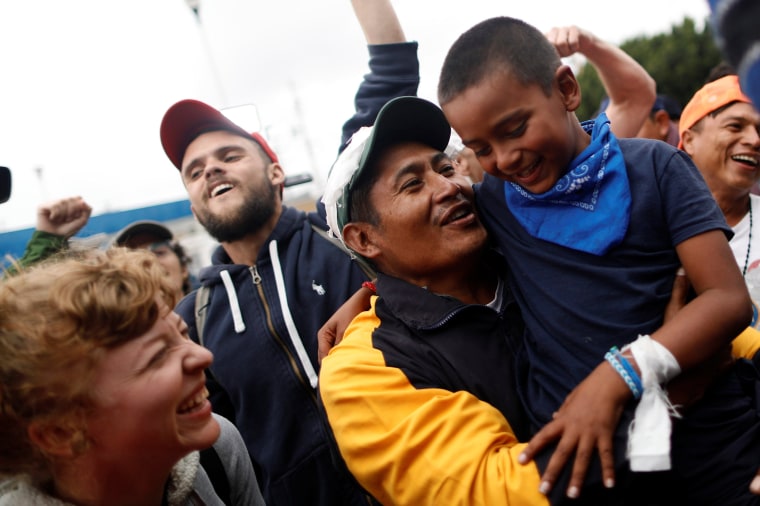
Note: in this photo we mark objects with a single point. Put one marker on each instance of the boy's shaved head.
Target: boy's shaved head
(500, 43)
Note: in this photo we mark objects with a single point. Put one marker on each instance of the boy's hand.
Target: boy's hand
(569, 40)
(584, 424)
(587, 419)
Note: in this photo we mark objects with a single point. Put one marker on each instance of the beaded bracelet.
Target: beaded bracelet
(634, 384)
(629, 368)
(369, 285)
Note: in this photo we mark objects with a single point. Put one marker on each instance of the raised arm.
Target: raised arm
(64, 217)
(632, 91)
(57, 221)
(394, 68)
(378, 21)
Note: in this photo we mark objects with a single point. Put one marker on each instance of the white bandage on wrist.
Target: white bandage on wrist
(649, 433)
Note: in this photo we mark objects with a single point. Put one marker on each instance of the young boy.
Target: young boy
(594, 229)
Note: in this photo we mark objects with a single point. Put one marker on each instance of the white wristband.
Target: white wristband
(649, 433)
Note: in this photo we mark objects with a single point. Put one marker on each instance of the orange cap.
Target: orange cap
(708, 98)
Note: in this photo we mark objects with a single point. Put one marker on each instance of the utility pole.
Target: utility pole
(302, 130)
(195, 6)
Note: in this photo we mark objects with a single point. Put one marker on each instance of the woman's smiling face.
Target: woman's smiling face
(150, 395)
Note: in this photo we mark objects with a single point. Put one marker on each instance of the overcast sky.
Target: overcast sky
(86, 82)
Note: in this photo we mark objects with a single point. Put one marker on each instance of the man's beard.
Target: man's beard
(257, 209)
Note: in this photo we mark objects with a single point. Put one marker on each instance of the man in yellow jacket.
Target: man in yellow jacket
(420, 394)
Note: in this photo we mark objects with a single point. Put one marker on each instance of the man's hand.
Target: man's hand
(332, 331)
(63, 217)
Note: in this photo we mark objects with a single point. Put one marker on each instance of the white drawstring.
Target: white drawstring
(237, 315)
(295, 338)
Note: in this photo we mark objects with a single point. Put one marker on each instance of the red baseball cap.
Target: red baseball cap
(187, 119)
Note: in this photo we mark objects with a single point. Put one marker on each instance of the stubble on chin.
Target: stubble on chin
(253, 214)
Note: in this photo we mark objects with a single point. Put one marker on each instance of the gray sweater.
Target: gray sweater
(189, 485)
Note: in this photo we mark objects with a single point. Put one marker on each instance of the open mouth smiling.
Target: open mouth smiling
(193, 403)
(220, 189)
(527, 172)
(457, 212)
(748, 159)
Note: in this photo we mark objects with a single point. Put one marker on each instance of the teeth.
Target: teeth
(221, 188)
(746, 159)
(193, 403)
(526, 172)
(457, 215)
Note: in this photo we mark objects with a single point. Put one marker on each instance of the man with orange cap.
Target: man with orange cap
(720, 130)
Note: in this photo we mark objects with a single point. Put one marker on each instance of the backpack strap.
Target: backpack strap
(212, 464)
(201, 305)
(368, 271)
(221, 402)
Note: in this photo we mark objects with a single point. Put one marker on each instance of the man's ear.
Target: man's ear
(687, 142)
(360, 237)
(569, 88)
(276, 174)
(662, 120)
(55, 438)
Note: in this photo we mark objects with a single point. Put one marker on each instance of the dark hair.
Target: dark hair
(361, 208)
(720, 70)
(184, 261)
(267, 160)
(498, 44)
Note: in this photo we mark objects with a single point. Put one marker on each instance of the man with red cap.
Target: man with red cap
(275, 279)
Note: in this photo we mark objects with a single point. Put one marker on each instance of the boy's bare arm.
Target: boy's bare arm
(697, 336)
(331, 333)
(721, 310)
(632, 91)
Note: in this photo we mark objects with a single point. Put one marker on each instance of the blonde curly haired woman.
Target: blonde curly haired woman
(102, 394)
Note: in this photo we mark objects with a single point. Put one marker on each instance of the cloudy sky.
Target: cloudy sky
(85, 82)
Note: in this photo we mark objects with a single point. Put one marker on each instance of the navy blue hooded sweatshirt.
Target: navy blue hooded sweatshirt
(262, 322)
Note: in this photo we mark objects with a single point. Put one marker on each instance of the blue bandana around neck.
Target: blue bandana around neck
(589, 207)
